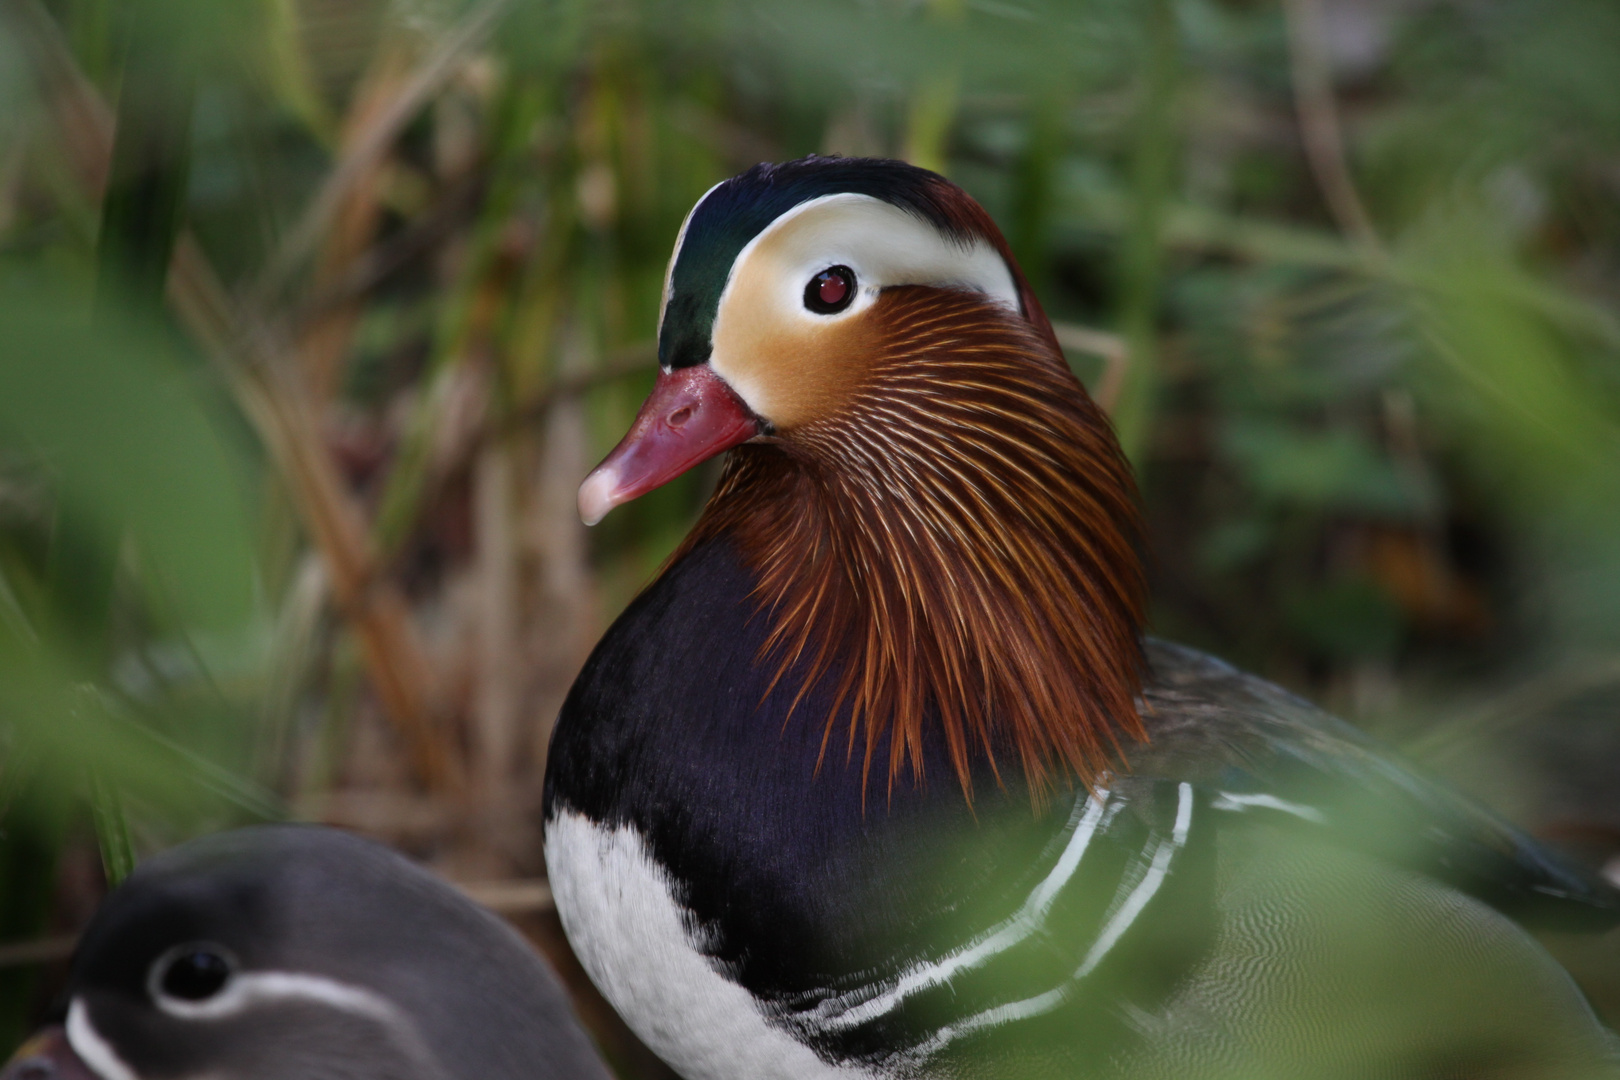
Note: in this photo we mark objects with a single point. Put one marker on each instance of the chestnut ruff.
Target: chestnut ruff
(958, 546)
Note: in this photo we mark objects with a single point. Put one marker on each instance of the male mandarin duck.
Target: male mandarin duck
(880, 777)
(293, 952)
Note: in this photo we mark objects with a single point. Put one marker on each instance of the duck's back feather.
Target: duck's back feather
(1265, 751)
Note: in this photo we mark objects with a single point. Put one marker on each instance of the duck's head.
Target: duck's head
(291, 952)
(933, 504)
(778, 306)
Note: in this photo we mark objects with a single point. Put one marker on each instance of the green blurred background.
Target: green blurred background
(313, 314)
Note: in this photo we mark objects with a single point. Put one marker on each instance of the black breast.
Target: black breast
(804, 878)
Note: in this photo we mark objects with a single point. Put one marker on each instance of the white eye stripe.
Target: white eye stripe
(884, 245)
(248, 989)
(762, 303)
(92, 1049)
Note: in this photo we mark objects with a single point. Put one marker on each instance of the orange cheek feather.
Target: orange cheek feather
(793, 376)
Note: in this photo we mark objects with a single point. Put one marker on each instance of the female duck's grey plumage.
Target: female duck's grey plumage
(342, 961)
(800, 817)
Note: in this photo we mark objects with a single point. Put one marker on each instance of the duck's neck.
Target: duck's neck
(955, 554)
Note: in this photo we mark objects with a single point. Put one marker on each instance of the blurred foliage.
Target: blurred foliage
(301, 539)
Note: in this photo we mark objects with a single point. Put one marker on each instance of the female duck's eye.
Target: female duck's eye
(194, 973)
(830, 291)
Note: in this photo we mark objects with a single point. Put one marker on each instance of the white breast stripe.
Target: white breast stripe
(1231, 800)
(249, 988)
(1184, 807)
(92, 1049)
(1045, 895)
(634, 940)
(1128, 911)
(1125, 912)
(1001, 1014)
(1088, 811)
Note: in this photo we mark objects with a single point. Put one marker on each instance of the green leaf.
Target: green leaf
(105, 409)
(1336, 469)
(1348, 619)
(112, 830)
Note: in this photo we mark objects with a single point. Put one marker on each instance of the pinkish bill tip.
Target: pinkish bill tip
(597, 494)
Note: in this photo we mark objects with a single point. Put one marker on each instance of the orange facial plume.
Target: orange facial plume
(957, 545)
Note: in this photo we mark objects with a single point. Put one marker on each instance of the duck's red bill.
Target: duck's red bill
(691, 416)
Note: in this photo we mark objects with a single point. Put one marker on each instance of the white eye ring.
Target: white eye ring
(191, 973)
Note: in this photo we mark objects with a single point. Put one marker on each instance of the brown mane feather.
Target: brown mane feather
(958, 544)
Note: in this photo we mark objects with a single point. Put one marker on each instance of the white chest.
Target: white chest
(638, 946)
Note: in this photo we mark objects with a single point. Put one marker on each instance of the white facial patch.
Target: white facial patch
(92, 1049)
(884, 245)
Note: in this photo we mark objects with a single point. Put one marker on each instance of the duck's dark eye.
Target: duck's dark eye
(194, 973)
(830, 291)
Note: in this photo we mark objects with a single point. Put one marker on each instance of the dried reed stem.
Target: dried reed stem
(1320, 128)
